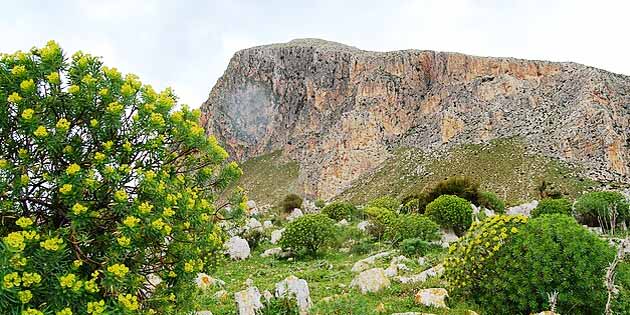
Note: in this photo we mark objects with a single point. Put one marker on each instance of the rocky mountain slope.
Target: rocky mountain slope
(341, 112)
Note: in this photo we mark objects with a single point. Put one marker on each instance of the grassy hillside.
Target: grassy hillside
(502, 166)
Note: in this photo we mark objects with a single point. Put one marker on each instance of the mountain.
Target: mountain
(340, 118)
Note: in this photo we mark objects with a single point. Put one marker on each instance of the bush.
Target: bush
(595, 208)
(549, 253)
(286, 305)
(459, 186)
(379, 219)
(291, 202)
(320, 203)
(362, 247)
(412, 226)
(339, 210)
(386, 202)
(308, 232)
(551, 206)
(111, 185)
(451, 212)
(415, 247)
(254, 237)
(621, 302)
(490, 200)
(412, 204)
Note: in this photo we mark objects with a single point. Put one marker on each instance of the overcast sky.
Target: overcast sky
(187, 44)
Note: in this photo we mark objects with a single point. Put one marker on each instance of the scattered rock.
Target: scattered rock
(276, 236)
(298, 288)
(391, 271)
(524, 209)
(271, 252)
(421, 261)
(343, 222)
(363, 225)
(253, 224)
(267, 224)
(203, 313)
(448, 237)
(248, 301)
(237, 248)
(438, 270)
(372, 280)
(366, 263)
(296, 213)
(432, 297)
(251, 204)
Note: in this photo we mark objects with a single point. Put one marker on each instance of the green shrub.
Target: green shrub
(415, 247)
(412, 204)
(290, 202)
(490, 200)
(339, 210)
(621, 302)
(254, 237)
(451, 212)
(459, 186)
(320, 203)
(379, 219)
(595, 208)
(549, 253)
(286, 305)
(110, 184)
(362, 246)
(551, 206)
(412, 226)
(308, 232)
(386, 202)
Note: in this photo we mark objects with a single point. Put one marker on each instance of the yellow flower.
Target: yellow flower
(24, 179)
(127, 146)
(68, 149)
(65, 311)
(22, 153)
(30, 235)
(16, 98)
(120, 195)
(31, 311)
(108, 145)
(167, 229)
(24, 222)
(172, 274)
(73, 169)
(103, 92)
(66, 189)
(41, 132)
(25, 296)
(18, 70)
(119, 270)
(514, 230)
(27, 85)
(74, 89)
(4, 164)
(131, 221)
(63, 124)
(50, 51)
(88, 79)
(128, 301)
(168, 212)
(27, 114)
(11, 280)
(158, 224)
(96, 308)
(18, 262)
(123, 241)
(111, 73)
(99, 157)
(91, 286)
(15, 240)
(77, 263)
(189, 267)
(51, 244)
(68, 280)
(115, 108)
(53, 78)
(145, 208)
(79, 209)
(127, 90)
(157, 119)
(94, 123)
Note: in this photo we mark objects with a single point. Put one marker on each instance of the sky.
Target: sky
(187, 44)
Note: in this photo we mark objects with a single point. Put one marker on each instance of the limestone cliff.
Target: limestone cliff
(340, 111)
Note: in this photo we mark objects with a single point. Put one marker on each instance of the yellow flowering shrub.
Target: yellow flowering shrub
(103, 184)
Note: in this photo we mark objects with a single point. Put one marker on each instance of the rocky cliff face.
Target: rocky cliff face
(340, 111)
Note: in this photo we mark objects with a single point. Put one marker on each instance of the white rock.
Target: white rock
(365, 263)
(267, 224)
(271, 252)
(475, 209)
(398, 259)
(251, 204)
(276, 236)
(220, 295)
(432, 297)
(391, 271)
(203, 313)
(237, 248)
(298, 288)
(343, 222)
(372, 280)
(448, 237)
(248, 301)
(488, 212)
(267, 295)
(253, 224)
(421, 261)
(423, 276)
(205, 281)
(296, 213)
(524, 209)
(363, 225)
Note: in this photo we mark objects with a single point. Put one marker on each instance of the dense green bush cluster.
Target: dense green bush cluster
(290, 202)
(551, 206)
(379, 219)
(451, 212)
(308, 232)
(415, 247)
(412, 204)
(386, 202)
(339, 210)
(549, 253)
(411, 226)
(595, 208)
(103, 184)
(490, 200)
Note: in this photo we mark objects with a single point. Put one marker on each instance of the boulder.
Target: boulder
(251, 204)
(391, 271)
(366, 263)
(253, 224)
(435, 297)
(294, 286)
(372, 280)
(271, 252)
(448, 237)
(296, 213)
(524, 209)
(267, 224)
(248, 301)
(237, 248)
(438, 270)
(276, 236)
